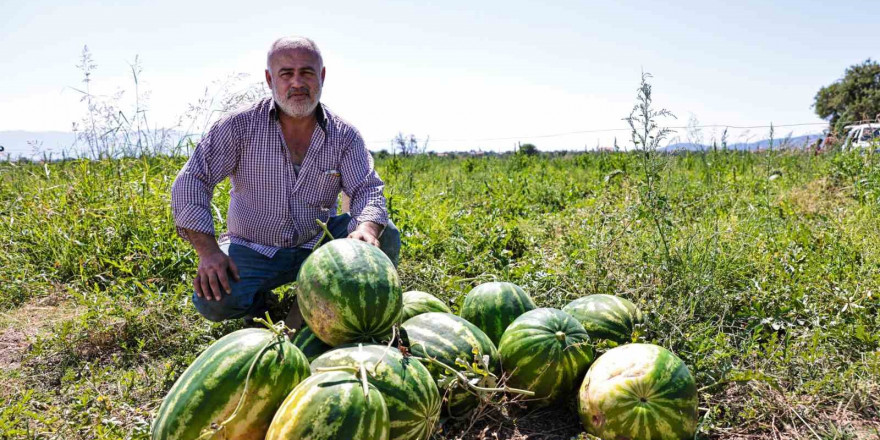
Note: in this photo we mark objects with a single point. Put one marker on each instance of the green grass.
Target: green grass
(769, 292)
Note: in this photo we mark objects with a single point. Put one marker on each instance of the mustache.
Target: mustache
(299, 90)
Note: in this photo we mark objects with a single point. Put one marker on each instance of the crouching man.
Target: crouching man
(287, 158)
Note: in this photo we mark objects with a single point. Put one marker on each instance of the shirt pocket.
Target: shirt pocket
(322, 188)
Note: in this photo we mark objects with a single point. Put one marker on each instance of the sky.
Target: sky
(462, 74)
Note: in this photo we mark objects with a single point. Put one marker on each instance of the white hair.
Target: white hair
(293, 43)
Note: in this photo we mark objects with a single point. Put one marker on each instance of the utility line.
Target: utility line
(608, 130)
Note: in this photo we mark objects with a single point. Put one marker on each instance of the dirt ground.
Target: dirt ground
(20, 327)
(519, 424)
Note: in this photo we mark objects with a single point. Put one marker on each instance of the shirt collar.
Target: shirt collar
(320, 113)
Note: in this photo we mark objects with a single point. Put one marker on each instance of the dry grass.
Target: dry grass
(817, 197)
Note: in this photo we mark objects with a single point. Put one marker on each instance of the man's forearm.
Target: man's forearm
(204, 244)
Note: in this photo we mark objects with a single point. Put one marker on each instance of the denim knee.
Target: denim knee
(229, 307)
(389, 242)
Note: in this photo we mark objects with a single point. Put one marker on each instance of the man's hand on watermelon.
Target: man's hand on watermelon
(368, 232)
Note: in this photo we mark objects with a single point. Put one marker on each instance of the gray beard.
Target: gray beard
(296, 110)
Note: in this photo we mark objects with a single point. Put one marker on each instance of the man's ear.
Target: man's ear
(323, 74)
(269, 79)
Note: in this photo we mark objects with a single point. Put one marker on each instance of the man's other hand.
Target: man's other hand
(368, 232)
(212, 279)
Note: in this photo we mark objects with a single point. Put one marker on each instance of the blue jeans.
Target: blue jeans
(259, 274)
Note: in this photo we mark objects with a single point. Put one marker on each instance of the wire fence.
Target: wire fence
(604, 138)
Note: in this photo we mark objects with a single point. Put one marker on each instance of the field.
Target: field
(761, 271)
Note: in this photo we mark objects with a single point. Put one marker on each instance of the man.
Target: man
(287, 157)
(829, 142)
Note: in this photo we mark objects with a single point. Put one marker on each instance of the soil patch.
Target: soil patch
(20, 327)
(552, 423)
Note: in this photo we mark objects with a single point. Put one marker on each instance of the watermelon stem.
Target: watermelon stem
(347, 368)
(358, 370)
(279, 328)
(325, 234)
(363, 374)
(464, 380)
(384, 352)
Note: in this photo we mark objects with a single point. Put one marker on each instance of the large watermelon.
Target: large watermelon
(416, 303)
(331, 406)
(349, 291)
(409, 390)
(606, 316)
(639, 391)
(209, 391)
(493, 306)
(446, 337)
(309, 344)
(546, 351)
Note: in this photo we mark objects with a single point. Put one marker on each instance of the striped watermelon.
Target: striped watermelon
(606, 316)
(349, 291)
(309, 344)
(546, 351)
(493, 306)
(209, 391)
(416, 303)
(331, 406)
(446, 337)
(639, 391)
(406, 385)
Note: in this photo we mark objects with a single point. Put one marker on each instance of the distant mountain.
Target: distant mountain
(794, 142)
(17, 143)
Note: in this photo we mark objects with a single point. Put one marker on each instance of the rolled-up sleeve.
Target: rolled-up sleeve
(215, 158)
(362, 184)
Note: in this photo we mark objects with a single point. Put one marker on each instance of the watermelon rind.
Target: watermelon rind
(410, 393)
(639, 392)
(545, 351)
(349, 291)
(606, 316)
(306, 340)
(208, 392)
(445, 338)
(417, 302)
(331, 406)
(493, 306)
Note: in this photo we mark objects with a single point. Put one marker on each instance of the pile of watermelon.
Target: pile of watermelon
(374, 362)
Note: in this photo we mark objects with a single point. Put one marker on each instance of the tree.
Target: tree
(528, 149)
(408, 145)
(855, 97)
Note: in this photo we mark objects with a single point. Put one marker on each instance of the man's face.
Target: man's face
(295, 77)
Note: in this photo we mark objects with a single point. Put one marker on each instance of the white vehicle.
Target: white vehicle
(862, 135)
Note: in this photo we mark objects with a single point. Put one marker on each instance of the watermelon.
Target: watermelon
(416, 303)
(446, 337)
(493, 306)
(606, 316)
(309, 344)
(546, 351)
(406, 385)
(330, 406)
(639, 391)
(349, 291)
(209, 391)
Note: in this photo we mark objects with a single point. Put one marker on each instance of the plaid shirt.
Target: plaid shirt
(271, 206)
